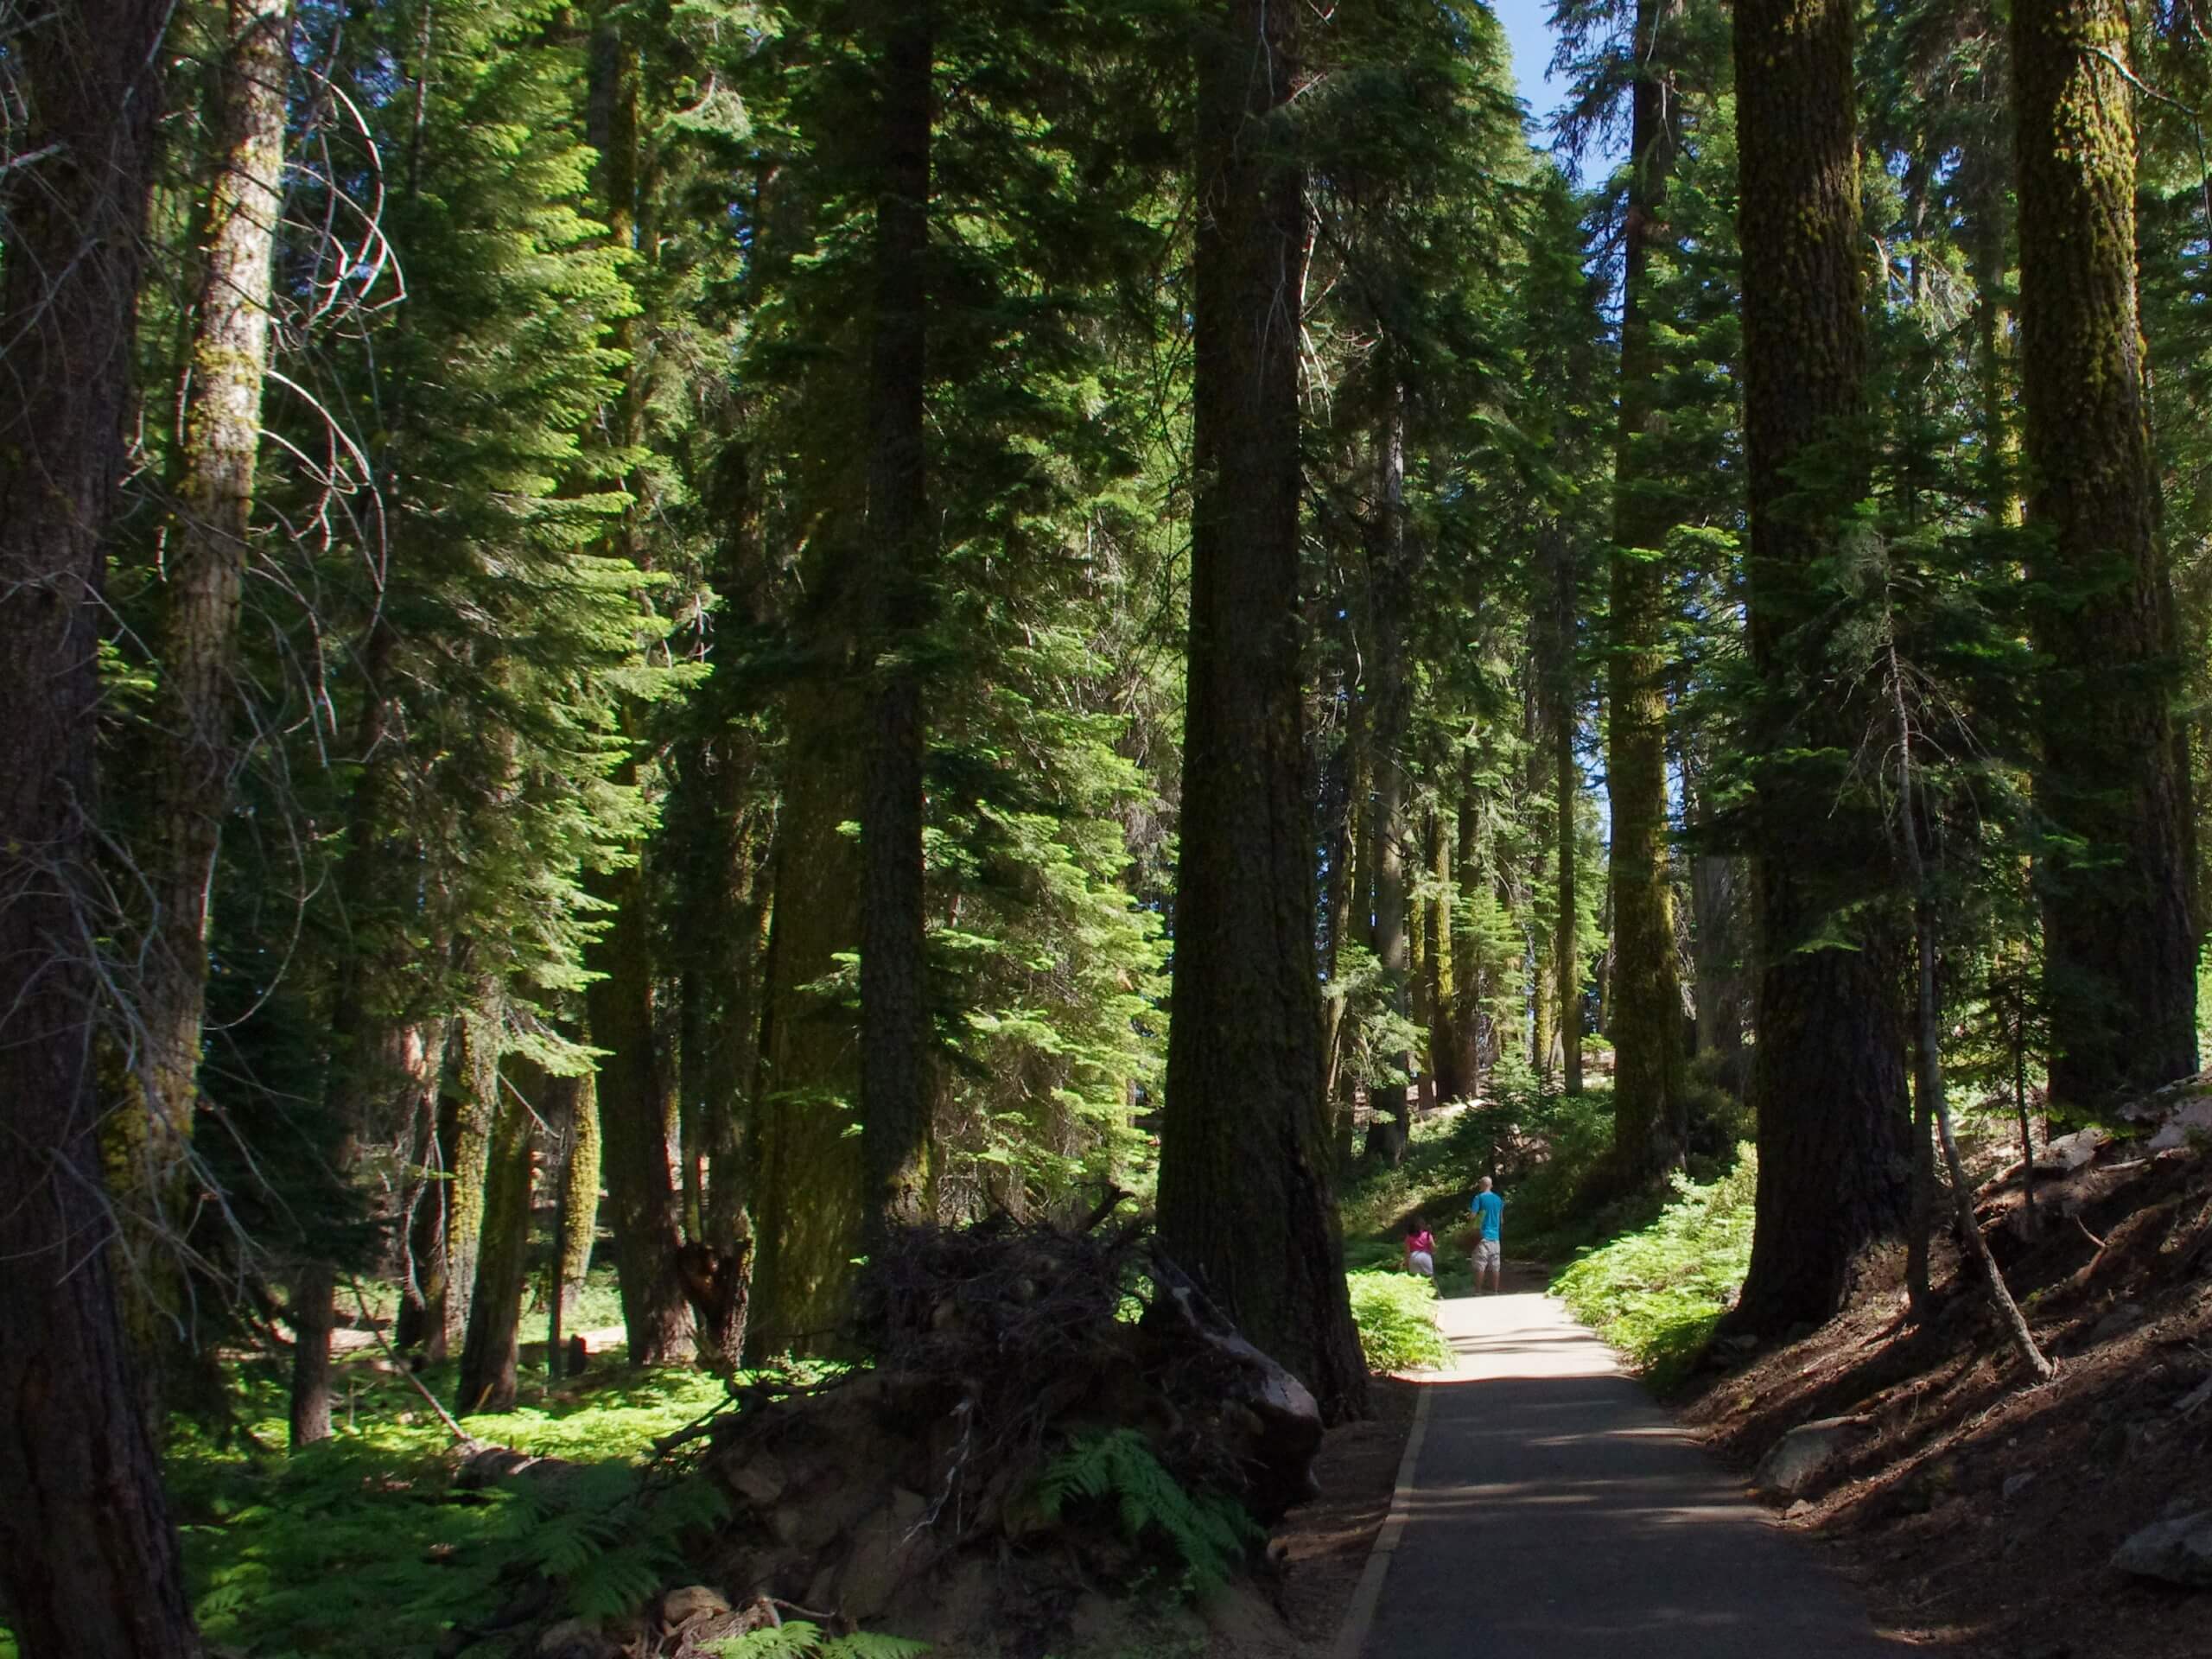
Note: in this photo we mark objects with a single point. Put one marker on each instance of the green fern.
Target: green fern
(1212, 1535)
(797, 1639)
(872, 1644)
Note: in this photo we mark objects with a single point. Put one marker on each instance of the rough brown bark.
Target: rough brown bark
(206, 563)
(1645, 1011)
(1828, 1081)
(1245, 1201)
(88, 1560)
(312, 1313)
(808, 1178)
(896, 1095)
(2115, 878)
(637, 1120)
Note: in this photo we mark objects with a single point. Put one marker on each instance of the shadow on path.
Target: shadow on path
(1556, 1512)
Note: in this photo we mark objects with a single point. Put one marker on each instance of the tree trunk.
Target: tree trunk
(2120, 968)
(636, 1118)
(1645, 1007)
(206, 562)
(1995, 379)
(1344, 892)
(311, 1314)
(488, 1352)
(1245, 1200)
(88, 1560)
(1470, 991)
(1567, 781)
(809, 1181)
(472, 1083)
(1445, 1082)
(423, 1320)
(1920, 1223)
(1927, 1038)
(1828, 1077)
(1391, 608)
(896, 1093)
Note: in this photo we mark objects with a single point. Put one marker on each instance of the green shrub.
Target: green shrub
(1397, 1325)
(1656, 1294)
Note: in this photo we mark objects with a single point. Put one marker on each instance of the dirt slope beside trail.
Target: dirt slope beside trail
(1978, 1512)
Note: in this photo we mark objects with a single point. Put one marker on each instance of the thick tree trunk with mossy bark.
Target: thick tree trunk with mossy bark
(205, 567)
(488, 1352)
(1245, 1199)
(1828, 1081)
(580, 1177)
(810, 1180)
(897, 1093)
(88, 1560)
(1645, 1011)
(2115, 878)
(472, 1083)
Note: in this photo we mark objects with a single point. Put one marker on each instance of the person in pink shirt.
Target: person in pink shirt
(1421, 1249)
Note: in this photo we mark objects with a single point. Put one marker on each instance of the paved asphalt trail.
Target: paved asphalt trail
(1556, 1513)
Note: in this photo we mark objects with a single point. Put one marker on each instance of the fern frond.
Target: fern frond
(793, 1639)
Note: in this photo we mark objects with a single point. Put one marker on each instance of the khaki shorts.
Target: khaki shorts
(1486, 1257)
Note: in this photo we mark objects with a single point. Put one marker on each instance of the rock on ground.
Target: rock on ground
(1805, 1453)
(2177, 1551)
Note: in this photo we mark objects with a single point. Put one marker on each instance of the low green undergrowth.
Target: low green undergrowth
(366, 1533)
(1656, 1294)
(1395, 1314)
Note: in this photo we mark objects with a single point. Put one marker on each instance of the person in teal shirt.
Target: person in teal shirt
(1488, 1209)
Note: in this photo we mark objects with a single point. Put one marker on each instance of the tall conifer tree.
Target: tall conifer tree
(88, 1559)
(1828, 1082)
(2112, 777)
(1245, 1201)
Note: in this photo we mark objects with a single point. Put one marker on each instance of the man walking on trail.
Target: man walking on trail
(1488, 1209)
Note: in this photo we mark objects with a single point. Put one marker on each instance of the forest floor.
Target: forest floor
(1978, 1514)
(1322, 1546)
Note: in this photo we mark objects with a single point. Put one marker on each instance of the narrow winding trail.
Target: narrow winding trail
(1554, 1512)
